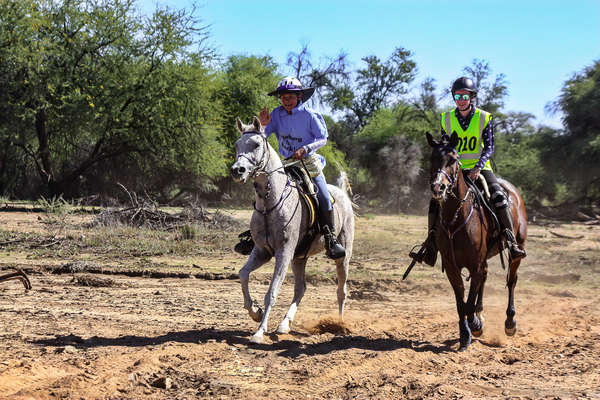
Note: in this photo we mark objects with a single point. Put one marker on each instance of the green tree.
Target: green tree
(90, 82)
(323, 76)
(377, 85)
(491, 94)
(397, 137)
(577, 149)
(244, 82)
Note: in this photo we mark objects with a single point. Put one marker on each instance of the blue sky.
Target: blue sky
(536, 44)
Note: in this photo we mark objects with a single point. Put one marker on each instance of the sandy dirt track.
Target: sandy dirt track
(172, 338)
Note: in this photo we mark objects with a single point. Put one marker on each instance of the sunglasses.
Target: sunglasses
(458, 97)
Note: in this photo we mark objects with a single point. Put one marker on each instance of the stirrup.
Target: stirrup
(427, 253)
(516, 252)
(333, 248)
(246, 243)
(419, 254)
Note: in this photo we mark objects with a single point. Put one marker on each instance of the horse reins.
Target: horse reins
(259, 168)
(453, 180)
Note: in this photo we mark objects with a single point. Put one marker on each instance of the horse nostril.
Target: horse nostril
(237, 171)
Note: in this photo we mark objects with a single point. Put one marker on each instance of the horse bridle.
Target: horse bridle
(448, 227)
(452, 179)
(260, 166)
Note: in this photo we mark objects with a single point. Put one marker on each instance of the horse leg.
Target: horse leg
(283, 257)
(342, 266)
(510, 325)
(299, 268)
(479, 304)
(474, 322)
(456, 281)
(257, 258)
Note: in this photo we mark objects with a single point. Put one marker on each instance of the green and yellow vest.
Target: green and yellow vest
(470, 143)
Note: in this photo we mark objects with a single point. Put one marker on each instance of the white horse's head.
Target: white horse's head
(251, 151)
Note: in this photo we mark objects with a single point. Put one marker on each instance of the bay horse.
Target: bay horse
(466, 237)
(279, 222)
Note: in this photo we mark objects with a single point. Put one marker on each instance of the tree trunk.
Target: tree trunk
(45, 165)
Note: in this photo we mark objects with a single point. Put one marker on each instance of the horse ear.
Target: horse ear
(430, 140)
(454, 139)
(239, 125)
(256, 124)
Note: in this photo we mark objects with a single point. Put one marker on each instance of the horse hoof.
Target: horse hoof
(283, 328)
(256, 315)
(480, 316)
(476, 326)
(465, 335)
(257, 338)
(510, 330)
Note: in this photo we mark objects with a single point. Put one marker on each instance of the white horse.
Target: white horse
(280, 220)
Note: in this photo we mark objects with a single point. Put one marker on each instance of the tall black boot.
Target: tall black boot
(428, 251)
(333, 248)
(509, 233)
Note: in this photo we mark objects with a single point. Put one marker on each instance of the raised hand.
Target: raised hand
(264, 116)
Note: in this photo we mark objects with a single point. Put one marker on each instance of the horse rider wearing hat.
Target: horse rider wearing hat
(300, 132)
(476, 145)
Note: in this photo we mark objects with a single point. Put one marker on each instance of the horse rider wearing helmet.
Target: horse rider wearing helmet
(476, 145)
(300, 132)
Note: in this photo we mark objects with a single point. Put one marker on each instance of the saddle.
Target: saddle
(307, 192)
(483, 200)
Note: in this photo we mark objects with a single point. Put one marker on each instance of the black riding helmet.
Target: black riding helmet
(464, 83)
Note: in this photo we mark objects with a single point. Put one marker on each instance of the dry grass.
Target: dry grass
(381, 247)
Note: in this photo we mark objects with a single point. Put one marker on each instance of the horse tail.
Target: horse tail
(344, 183)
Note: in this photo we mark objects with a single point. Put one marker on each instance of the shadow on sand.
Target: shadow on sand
(289, 348)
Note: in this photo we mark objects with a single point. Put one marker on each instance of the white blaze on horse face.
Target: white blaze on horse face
(438, 187)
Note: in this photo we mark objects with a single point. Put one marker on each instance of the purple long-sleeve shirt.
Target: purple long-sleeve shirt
(487, 136)
(303, 127)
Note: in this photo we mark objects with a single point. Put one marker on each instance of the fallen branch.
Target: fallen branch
(592, 222)
(45, 245)
(19, 275)
(565, 236)
(11, 242)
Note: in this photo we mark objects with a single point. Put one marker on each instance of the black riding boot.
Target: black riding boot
(428, 251)
(508, 231)
(333, 248)
(245, 245)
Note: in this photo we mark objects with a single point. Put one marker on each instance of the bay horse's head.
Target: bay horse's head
(445, 165)
(251, 151)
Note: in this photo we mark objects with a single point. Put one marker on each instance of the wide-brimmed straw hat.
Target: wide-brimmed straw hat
(290, 84)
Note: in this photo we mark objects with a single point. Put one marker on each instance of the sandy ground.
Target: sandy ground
(170, 338)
